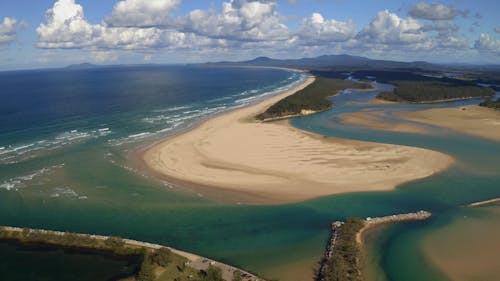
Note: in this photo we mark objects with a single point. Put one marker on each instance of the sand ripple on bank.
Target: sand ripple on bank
(276, 163)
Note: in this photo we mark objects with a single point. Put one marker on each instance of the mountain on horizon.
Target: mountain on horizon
(341, 60)
(84, 65)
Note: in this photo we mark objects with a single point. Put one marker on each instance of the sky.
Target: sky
(41, 34)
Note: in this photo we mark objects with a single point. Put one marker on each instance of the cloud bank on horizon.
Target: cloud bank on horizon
(255, 27)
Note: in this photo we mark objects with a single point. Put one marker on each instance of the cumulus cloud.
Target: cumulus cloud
(487, 43)
(142, 13)
(431, 11)
(250, 20)
(104, 56)
(388, 28)
(66, 27)
(316, 29)
(8, 30)
(246, 27)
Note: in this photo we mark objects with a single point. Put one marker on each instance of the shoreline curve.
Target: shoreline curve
(234, 157)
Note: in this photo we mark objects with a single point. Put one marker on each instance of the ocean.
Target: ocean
(66, 137)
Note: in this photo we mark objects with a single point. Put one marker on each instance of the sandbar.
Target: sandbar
(376, 119)
(273, 162)
(474, 120)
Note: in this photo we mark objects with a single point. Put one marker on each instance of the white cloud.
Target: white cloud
(142, 13)
(243, 27)
(8, 30)
(388, 28)
(66, 27)
(452, 41)
(103, 56)
(487, 43)
(497, 29)
(246, 20)
(316, 29)
(431, 11)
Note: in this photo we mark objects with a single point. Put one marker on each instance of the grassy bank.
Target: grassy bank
(495, 104)
(313, 98)
(158, 263)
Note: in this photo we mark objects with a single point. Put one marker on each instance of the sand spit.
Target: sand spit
(273, 162)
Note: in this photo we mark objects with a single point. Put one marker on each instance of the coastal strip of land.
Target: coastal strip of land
(119, 246)
(377, 221)
(485, 202)
(273, 162)
(342, 259)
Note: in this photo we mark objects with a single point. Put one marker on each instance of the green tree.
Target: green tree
(237, 276)
(162, 256)
(114, 242)
(146, 273)
(212, 273)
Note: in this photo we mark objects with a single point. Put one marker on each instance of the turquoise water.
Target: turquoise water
(474, 177)
(70, 170)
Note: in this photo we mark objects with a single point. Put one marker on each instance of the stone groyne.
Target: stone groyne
(485, 202)
(372, 222)
(354, 234)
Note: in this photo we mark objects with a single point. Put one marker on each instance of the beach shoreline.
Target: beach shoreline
(234, 157)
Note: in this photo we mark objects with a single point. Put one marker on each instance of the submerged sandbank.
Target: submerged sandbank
(274, 162)
(473, 120)
(468, 248)
(377, 119)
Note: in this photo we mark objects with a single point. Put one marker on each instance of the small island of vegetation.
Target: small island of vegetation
(495, 104)
(415, 86)
(433, 91)
(311, 99)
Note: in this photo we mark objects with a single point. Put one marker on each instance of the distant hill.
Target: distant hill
(343, 60)
(84, 65)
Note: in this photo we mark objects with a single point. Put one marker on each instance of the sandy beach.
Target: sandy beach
(473, 120)
(273, 162)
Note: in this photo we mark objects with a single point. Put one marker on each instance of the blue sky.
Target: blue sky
(37, 34)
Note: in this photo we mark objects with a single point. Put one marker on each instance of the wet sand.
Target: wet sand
(273, 162)
(473, 120)
(376, 119)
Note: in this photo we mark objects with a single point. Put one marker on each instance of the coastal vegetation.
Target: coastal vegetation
(431, 91)
(156, 264)
(495, 104)
(313, 98)
(342, 261)
(344, 265)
